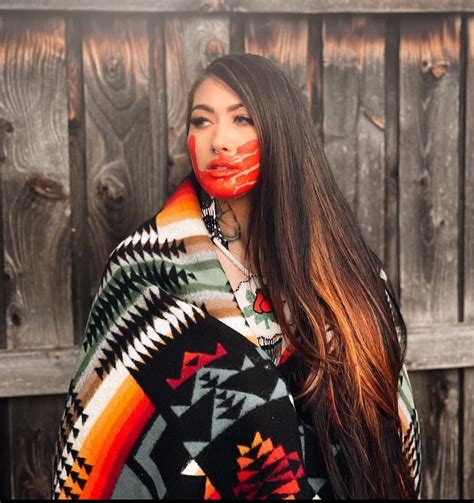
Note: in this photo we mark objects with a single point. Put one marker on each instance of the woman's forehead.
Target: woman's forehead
(212, 90)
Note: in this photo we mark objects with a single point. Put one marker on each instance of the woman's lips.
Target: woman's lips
(221, 171)
(221, 168)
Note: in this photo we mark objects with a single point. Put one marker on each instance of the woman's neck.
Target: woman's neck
(232, 212)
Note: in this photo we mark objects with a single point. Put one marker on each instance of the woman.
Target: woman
(244, 342)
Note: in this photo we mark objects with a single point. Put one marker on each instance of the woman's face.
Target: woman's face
(219, 121)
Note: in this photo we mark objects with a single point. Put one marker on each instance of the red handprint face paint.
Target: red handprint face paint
(226, 176)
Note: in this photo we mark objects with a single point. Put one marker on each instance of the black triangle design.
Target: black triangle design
(99, 372)
(111, 357)
(165, 250)
(128, 285)
(189, 321)
(181, 246)
(211, 383)
(227, 403)
(173, 275)
(182, 274)
(205, 377)
(174, 332)
(234, 411)
(164, 276)
(112, 303)
(116, 346)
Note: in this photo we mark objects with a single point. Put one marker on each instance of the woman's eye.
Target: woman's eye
(240, 119)
(197, 121)
(248, 120)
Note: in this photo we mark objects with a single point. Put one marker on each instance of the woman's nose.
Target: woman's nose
(218, 148)
(220, 142)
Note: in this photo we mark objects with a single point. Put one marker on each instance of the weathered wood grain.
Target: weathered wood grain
(440, 346)
(468, 391)
(391, 257)
(5, 130)
(35, 180)
(314, 64)
(282, 39)
(237, 33)
(429, 198)
(437, 401)
(121, 174)
(158, 123)
(354, 117)
(37, 221)
(78, 177)
(251, 6)
(32, 373)
(36, 421)
(191, 44)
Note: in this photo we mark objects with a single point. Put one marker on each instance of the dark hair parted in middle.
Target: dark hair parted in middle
(305, 241)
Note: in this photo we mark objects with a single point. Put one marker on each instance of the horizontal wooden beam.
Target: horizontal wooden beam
(251, 6)
(48, 372)
(440, 346)
(40, 372)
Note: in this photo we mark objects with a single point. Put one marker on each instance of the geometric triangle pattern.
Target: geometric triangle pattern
(170, 398)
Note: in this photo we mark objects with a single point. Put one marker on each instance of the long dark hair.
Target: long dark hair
(306, 242)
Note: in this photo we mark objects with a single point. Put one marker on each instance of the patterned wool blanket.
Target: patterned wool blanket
(172, 397)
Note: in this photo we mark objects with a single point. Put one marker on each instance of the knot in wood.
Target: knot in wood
(46, 188)
(214, 49)
(437, 69)
(109, 190)
(115, 72)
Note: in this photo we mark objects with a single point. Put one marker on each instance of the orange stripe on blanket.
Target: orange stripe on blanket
(185, 210)
(182, 205)
(186, 188)
(109, 442)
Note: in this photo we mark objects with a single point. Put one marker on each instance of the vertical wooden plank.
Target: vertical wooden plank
(236, 33)
(468, 392)
(36, 204)
(315, 71)
(191, 44)
(5, 479)
(429, 175)
(158, 125)
(121, 176)
(283, 39)
(392, 186)
(354, 118)
(36, 216)
(5, 132)
(78, 176)
(36, 421)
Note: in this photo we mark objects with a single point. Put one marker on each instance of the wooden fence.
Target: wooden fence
(92, 139)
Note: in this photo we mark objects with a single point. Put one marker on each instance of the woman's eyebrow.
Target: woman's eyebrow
(231, 108)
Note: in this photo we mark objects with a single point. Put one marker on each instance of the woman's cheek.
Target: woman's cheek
(192, 152)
